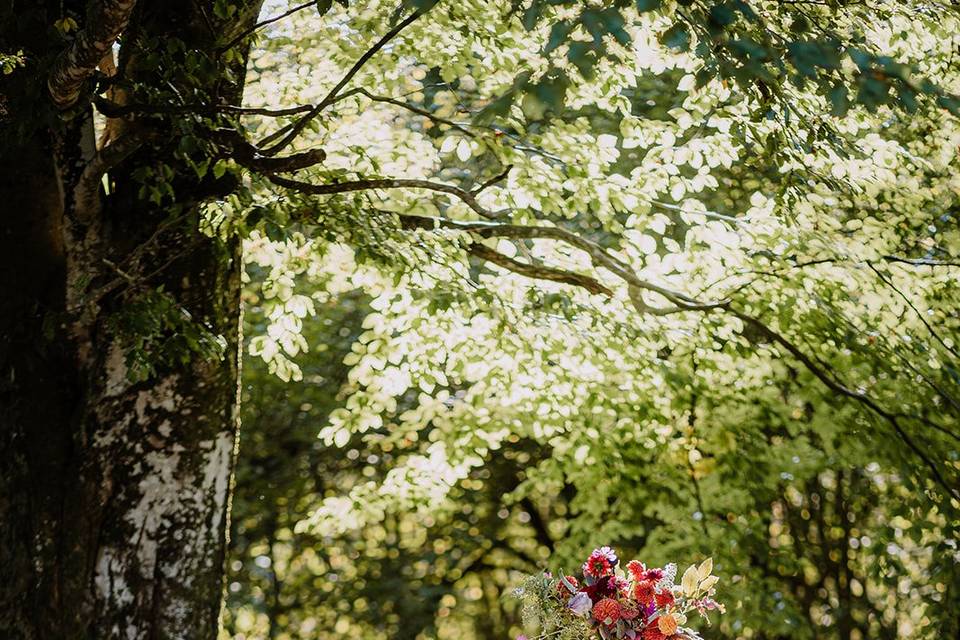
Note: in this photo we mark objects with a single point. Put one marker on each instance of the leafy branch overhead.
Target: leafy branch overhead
(768, 49)
(771, 68)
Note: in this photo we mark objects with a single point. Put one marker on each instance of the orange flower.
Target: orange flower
(636, 569)
(607, 612)
(667, 624)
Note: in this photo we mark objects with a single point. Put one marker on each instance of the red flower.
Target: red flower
(652, 632)
(664, 598)
(644, 592)
(597, 567)
(654, 575)
(607, 612)
(628, 613)
(636, 569)
(600, 563)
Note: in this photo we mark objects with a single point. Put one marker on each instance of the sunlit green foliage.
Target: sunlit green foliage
(773, 382)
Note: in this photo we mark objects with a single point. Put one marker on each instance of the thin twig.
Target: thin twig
(404, 105)
(923, 262)
(910, 304)
(492, 181)
(837, 387)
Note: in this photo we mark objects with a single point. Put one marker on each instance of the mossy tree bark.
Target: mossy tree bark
(114, 490)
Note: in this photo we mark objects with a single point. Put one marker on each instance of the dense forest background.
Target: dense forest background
(487, 284)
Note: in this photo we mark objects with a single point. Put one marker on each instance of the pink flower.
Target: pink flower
(621, 584)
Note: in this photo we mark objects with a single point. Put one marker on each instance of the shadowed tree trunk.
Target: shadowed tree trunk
(114, 484)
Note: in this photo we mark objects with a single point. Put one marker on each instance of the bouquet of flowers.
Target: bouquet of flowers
(606, 601)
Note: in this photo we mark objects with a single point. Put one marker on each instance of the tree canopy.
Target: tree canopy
(694, 264)
(679, 275)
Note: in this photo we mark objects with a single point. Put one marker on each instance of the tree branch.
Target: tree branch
(87, 189)
(600, 257)
(247, 32)
(382, 183)
(105, 20)
(598, 254)
(247, 155)
(295, 129)
(114, 110)
(539, 272)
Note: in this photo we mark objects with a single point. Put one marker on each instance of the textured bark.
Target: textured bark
(113, 494)
(105, 20)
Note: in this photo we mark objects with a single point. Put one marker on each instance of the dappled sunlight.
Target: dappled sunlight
(679, 433)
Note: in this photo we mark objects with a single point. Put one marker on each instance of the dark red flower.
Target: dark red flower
(654, 575)
(628, 613)
(605, 587)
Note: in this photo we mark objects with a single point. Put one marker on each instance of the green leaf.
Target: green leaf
(722, 15)
(583, 56)
(676, 37)
(839, 100)
(558, 35)
(950, 103)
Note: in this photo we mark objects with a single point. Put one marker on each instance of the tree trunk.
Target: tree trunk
(114, 488)
(114, 498)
